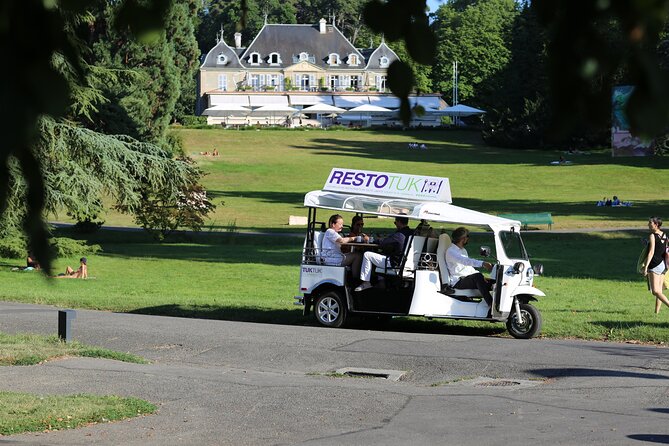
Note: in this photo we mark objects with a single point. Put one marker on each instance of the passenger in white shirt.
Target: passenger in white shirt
(461, 267)
(331, 247)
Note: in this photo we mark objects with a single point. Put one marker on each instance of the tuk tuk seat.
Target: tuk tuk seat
(431, 245)
(444, 244)
(409, 259)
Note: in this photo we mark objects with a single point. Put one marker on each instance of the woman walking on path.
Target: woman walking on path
(656, 268)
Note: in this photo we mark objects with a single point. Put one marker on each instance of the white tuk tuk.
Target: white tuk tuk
(419, 285)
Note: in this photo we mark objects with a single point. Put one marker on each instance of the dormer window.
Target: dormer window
(254, 59)
(333, 59)
(304, 56)
(274, 59)
(221, 59)
(383, 62)
(353, 60)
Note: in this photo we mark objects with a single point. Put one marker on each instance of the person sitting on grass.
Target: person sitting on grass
(81, 273)
(31, 262)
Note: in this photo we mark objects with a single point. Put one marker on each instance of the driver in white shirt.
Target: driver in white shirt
(461, 267)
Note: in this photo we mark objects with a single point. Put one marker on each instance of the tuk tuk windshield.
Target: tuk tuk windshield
(513, 245)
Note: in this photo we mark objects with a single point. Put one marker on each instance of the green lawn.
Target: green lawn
(591, 287)
(21, 412)
(262, 175)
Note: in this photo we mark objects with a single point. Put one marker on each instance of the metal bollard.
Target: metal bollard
(65, 318)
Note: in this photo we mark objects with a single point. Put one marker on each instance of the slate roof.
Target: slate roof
(221, 47)
(374, 59)
(291, 40)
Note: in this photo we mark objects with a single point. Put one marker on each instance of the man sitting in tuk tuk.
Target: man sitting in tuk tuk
(461, 267)
(392, 249)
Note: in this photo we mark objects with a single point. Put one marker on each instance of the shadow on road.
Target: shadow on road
(295, 317)
(651, 438)
(573, 372)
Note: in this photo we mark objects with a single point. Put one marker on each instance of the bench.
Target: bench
(540, 218)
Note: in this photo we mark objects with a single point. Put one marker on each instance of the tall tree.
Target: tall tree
(143, 104)
(181, 27)
(476, 34)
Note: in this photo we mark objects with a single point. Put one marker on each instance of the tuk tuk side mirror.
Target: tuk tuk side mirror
(518, 267)
(538, 269)
(485, 251)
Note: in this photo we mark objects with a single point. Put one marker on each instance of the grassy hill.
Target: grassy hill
(262, 175)
(591, 285)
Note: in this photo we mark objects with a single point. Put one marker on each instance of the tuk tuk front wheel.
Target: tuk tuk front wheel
(530, 326)
(330, 309)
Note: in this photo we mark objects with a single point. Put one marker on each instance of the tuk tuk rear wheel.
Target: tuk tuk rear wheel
(330, 309)
(531, 322)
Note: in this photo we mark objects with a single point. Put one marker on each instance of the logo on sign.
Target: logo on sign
(389, 184)
(311, 270)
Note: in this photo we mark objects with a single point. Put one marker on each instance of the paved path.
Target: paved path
(222, 382)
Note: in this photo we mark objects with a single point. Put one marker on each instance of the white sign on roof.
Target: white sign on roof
(391, 185)
(260, 100)
(350, 101)
(385, 101)
(296, 99)
(222, 99)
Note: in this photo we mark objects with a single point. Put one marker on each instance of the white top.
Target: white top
(331, 251)
(431, 211)
(459, 264)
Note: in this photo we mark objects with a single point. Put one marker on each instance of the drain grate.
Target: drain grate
(357, 372)
(498, 383)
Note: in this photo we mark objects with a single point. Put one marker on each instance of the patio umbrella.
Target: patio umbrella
(323, 108)
(226, 110)
(461, 111)
(367, 110)
(371, 109)
(274, 110)
(320, 109)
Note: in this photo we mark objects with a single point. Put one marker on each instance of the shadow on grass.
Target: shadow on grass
(578, 372)
(579, 255)
(460, 147)
(296, 317)
(626, 325)
(584, 209)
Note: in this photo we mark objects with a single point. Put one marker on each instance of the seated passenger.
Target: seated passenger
(31, 261)
(392, 249)
(331, 248)
(357, 224)
(425, 230)
(461, 267)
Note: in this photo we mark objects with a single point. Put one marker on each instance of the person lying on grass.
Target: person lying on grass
(81, 273)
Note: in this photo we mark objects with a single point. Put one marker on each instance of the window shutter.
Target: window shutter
(297, 80)
(262, 80)
(312, 80)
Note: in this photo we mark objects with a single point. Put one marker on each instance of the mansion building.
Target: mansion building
(297, 66)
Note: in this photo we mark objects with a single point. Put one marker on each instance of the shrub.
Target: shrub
(13, 247)
(189, 120)
(67, 247)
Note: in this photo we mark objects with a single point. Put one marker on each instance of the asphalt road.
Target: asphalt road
(236, 383)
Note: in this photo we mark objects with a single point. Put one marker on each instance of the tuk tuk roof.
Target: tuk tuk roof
(429, 210)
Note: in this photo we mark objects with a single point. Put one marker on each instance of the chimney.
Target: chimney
(322, 26)
(238, 40)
